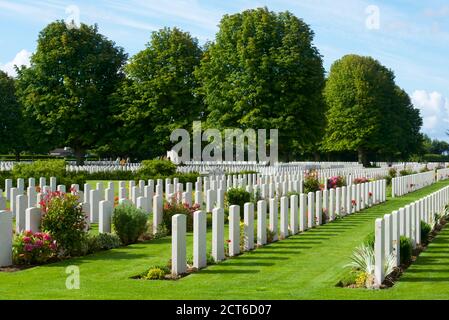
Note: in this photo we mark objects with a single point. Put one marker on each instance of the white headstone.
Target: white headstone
(234, 230)
(218, 234)
(5, 238)
(199, 239)
(105, 216)
(179, 262)
(33, 219)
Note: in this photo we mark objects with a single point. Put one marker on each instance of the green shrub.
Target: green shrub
(156, 273)
(129, 222)
(311, 184)
(172, 209)
(33, 248)
(152, 168)
(65, 220)
(392, 172)
(237, 196)
(405, 250)
(349, 278)
(40, 168)
(405, 172)
(388, 179)
(369, 240)
(102, 241)
(425, 231)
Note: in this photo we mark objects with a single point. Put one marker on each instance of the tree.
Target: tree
(435, 146)
(72, 74)
(10, 115)
(367, 112)
(159, 94)
(410, 140)
(263, 72)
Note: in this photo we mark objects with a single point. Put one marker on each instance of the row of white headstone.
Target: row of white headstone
(297, 214)
(442, 174)
(406, 184)
(404, 222)
(208, 190)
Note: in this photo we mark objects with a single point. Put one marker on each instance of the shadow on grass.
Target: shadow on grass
(222, 271)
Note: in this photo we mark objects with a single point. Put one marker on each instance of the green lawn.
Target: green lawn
(305, 266)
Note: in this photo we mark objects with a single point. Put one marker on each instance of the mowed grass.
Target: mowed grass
(304, 266)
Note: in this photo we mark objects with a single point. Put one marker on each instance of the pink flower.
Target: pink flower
(53, 246)
(26, 239)
(28, 233)
(47, 237)
(39, 243)
(29, 247)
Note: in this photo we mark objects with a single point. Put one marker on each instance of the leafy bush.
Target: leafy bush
(129, 222)
(425, 169)
(311, 184)
(237, 196)
(40, 168)
(156, 273)
(33, 248)
(392, 172)
(369, 240)
(361, 279)
(405, 249)
(349, 278)
(152, 168)
(335, 182)
(363, 259)
(406, 172)
(172, 209)
(425, 231)
(64, 219)
(102, 241)
(388, 179)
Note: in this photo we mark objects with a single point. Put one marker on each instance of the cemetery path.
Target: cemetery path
(304, 266)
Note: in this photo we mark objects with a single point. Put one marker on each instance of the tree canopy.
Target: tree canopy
(158, 95)
(10, 115)
(367, 112)
(263, 72)
(67, 87)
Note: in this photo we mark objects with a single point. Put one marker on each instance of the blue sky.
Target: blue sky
(411, 37)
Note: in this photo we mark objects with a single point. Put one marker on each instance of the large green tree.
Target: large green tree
(10, 115)
(367, 112)
(158, 95)
(263, 72)
(67, 87)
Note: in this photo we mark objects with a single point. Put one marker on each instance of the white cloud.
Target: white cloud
(434, 109)
(21, 59)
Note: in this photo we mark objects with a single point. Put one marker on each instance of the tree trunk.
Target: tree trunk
(79, 155)
(362, 157)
